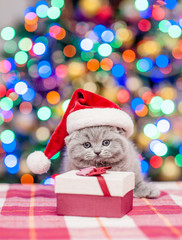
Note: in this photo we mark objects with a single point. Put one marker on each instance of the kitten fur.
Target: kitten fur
(106, 146)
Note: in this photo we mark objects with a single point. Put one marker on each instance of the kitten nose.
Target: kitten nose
(97, 153)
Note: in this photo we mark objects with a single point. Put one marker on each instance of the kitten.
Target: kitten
(106, 146)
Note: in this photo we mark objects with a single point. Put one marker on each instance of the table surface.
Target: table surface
(29, 212)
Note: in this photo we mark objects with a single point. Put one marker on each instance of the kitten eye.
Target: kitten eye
(87, 145)
(106, 142)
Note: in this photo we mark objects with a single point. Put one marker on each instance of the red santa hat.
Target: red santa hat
(86, 109)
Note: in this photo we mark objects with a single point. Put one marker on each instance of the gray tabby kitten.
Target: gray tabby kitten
(106, 146)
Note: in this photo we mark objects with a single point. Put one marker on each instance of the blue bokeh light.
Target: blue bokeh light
(44, 69)
(162, 61)
(163, 125)
(29, 9)
(29, 95)
(41, 3)
(135, 102)
(99, 29)
(146, 13)
(118, 70)
(153, 143)
(14, 169)
(156, 76)
(39, 48)
(9, 147)
(86, 44)
(144, 64)
(10, 161)
(13, 64)
(107, 36)
(144, 166)
(11, 82)
(170, 4)
(48, 181)
(180, 149)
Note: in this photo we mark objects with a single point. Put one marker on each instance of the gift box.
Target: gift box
(107, 195)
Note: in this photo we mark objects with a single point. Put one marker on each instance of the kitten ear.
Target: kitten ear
(122, 131)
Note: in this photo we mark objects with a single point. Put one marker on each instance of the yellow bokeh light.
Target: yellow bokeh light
(170, 171)
(149, 48)
(42, 134)
(90, 7)
(124, 34)
(76, 69)
(168, 93)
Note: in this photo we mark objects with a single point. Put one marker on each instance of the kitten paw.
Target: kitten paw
(146, 190)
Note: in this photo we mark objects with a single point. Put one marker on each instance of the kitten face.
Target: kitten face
(98, 146)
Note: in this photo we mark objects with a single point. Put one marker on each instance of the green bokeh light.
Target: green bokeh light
(164, 26)
(55, 156)
(57, 3)
(155, 104)
(167, 106)
(1, 120)
(65, 105)
(10, 46)
(116, 43)
(7, 136)
(17, 101)
(141, 5)
(44, 113)
(86, 56)
(21, 57)
(174, 31)
(42, 39)
(105, 50)
(151, 131)
(53, 13)
(8, 33)
(6, 103)
(25, 44)
(41, 11)
(178, 160)
(95, 47)
(138, 66)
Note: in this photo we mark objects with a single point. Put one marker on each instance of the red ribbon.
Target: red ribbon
(93, 171)
(98, 171)
(103, 186)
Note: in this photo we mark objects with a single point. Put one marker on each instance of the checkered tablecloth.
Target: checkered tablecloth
(29, 212)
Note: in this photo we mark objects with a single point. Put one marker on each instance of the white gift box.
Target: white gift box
(108, 195)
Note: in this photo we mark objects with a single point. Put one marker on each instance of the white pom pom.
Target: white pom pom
(38, 163)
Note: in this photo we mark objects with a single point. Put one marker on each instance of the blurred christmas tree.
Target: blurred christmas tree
(128, 51)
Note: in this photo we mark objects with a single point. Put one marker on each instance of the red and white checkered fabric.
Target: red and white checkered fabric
(29, 212)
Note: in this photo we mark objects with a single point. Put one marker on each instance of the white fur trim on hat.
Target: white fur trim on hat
(100, 117)
(38, 163)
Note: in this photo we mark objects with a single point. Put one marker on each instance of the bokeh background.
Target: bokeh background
(127, 51)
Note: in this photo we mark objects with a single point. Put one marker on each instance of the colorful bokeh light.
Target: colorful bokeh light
(86, 44)
(118, 70)
(8, 33)
(7, 136)
(156, 161)
(44, 113)
(53, 13)
(105, 50)
(44, 69)
(141, 5)
(163, 125)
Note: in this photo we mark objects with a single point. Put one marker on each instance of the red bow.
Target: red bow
(93, 171)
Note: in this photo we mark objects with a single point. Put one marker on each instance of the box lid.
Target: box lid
(118, 183)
